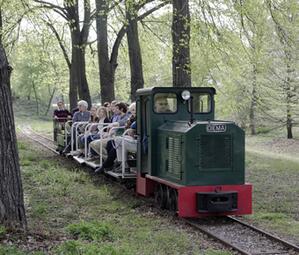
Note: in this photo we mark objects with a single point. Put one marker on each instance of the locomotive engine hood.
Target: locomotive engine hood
(201, 153)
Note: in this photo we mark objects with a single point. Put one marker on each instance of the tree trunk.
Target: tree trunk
(135, 57)
(78, 81)
(181, 68)
(78, 76)
(107, 69)
(36, 98)
(50, 101)
(253, 104)
(12, 210)
(73, 88)
(289, 96)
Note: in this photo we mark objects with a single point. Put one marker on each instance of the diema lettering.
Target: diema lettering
(216, 128)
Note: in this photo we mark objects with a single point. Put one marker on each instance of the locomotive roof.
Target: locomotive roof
(152, 90)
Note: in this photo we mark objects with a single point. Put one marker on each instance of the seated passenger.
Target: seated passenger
(95, 131)
(114, 116)
(121, 111)
(82, 114)
(103, 115)
(130, 143)
(93, 115)
(61, 114)
(93, 119)
(107, 106)
(114, 147)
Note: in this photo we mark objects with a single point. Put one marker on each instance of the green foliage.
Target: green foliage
(2, 231)
(39, 70)
(8, 250)
(40, 209)
(92, 231)
(80, 248)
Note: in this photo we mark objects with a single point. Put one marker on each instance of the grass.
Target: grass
(25, 115)
(275, 193)
(12, 250)
(91, 231)
(87, 215)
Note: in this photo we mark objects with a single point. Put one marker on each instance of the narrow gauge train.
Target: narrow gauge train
(192, 163)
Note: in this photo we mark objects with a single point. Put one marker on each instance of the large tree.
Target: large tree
(12, 210)
(135, 56)
(181, 38)
(79, 31)
(284, 15)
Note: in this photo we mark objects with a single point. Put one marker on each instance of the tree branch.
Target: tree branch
(86, 23)
(124, 29)
(58, 9)
(64, 51)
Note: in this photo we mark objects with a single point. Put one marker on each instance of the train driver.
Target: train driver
(161, 104)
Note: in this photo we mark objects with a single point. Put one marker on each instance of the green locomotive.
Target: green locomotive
(193, 163)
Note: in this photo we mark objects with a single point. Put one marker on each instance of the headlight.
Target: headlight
(186, 95)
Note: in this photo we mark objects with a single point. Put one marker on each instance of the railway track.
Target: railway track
(243, 237)
(40, 139)
(232, 232)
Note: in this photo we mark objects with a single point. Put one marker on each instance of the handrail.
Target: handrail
(81, 123)
(109, 138)
(75, 126)
(101, 131)
(123, 162)
(86, 146)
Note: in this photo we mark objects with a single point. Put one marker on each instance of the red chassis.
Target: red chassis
(187, 207)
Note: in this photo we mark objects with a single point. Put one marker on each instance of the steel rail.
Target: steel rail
(249, 226)
(210, 234)
(38, 134)
(267, 234)
(41, 143)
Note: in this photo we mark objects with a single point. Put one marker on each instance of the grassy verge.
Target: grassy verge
(44, 126)
(82, 214)
(275, 196)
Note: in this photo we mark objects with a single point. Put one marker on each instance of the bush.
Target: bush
(92, 231)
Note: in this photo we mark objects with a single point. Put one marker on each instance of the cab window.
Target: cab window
(201, 103)
(165, 103)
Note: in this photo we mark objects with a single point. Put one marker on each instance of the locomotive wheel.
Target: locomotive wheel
(173, 199)
(160, 196)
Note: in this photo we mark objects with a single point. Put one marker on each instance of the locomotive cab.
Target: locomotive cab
(191, 161)
(156, 106)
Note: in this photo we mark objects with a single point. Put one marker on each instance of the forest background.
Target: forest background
(248, 50)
